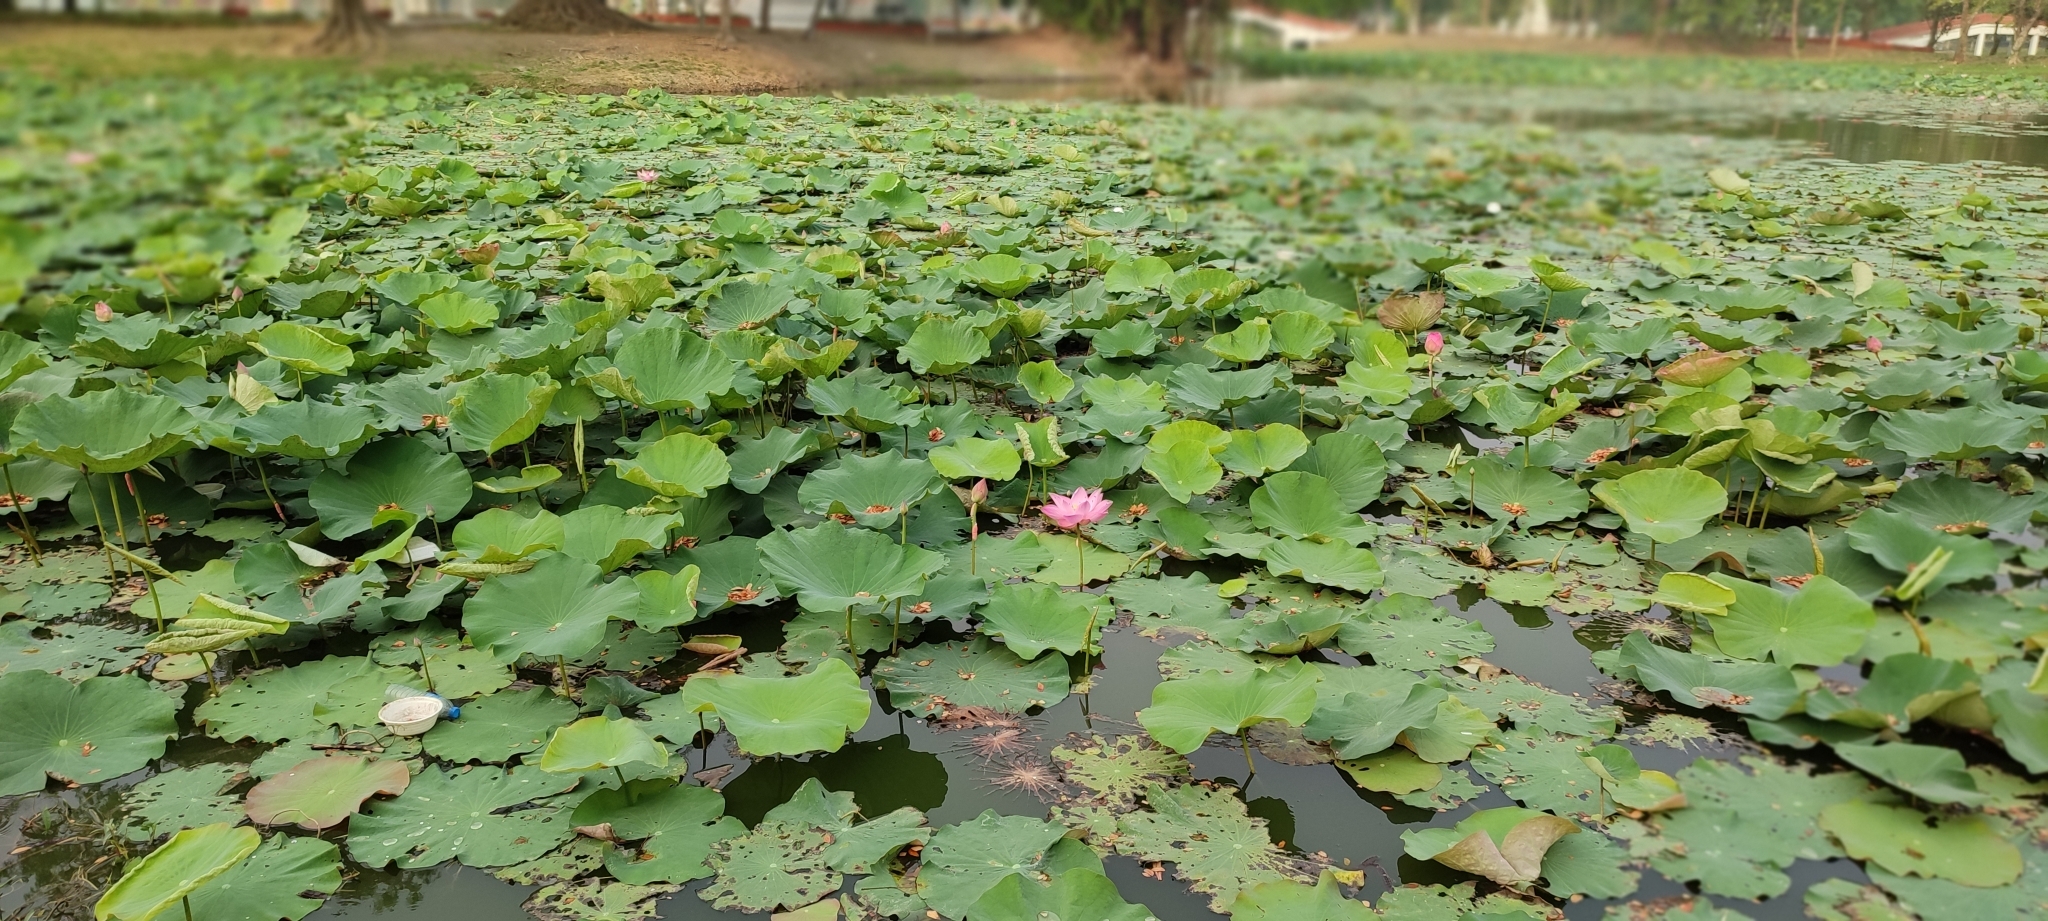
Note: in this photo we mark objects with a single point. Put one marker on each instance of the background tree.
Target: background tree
(349, 29)
(581, 16)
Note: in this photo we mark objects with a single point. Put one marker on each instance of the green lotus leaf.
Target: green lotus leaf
(945, 346)
(1479, 282)
(1208, 289)
(1901, 545)
(666, 368)
(1077, 893)
(18, 357)
(601, 742)
(756, 461)
(300, 700)
(213, 623)
(875, 490)
(1929, 772)
(1396, 770)
(1953, 505)
(1383, 384)
(323, 792)
(1903, 840)
(1185, 468)
(500, 535)
(1664, 505)
(386, 481)
(306, 349)
(1524, 495)
(610, 536)
(491, 411)
(1251, 341)
(1766, 691)
(1031, 618)
(633, 290)
(182, 798)
(104, 431)
(1957, 434)
(1044, 382)
(1304, 507)
(164, 877)
(467, 816)
(457, 312)
(1215, 845)
(963, 862)
(682, 464)
(1000, 274)
(1271, 447)
(832, 567)
(978, 458)
(1362, 724)
(868, 400)
(1332, 564)
(559, 608)
(929, 680)
(272, 883)
(1685, 591)
(1301, 336)
(1215, 391)
(1185, 711)
(1821, 624)
(1505, 845)
(92, 731)
(497, 727)
(676, 825)
(527, 480)
(1351, 463)
(305, 429)
(792, 715)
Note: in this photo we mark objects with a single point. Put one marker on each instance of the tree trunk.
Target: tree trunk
(1659, 15)
(1795, 29)
(725, 21)
(762, 26)
(350, 29)
(1934, 25)
(2024, 15)
(578, 16)
(1868, 20)
(1835, 37)
(1485, 14)
(817, 10)
(1411, 10)
(1963, 33)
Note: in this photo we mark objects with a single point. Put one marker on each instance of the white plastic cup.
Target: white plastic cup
(411, 716)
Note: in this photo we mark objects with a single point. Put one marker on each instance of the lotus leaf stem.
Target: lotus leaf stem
(1244, 737)
(106, 547)
(562, 666)
(28, 533)
(141, 514)
(424, 672)
(581, 479)
(120, 527)
(263, 476)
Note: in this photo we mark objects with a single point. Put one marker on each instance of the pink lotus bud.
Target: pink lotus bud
(647, 175)
(945, 226)
(241, 368)
(1433, 343)
(236, 295)
(978, 493)
(102, 312)
(1873, 344)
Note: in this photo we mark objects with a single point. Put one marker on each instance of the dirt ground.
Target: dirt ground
(680, 59)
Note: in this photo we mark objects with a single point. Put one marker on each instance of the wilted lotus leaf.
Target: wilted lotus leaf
(1504, 845)
(1701, 369)
(324, 792)
(1411, 313)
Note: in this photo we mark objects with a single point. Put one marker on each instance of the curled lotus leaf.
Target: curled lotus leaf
(163, 878)
(1504, 845)
(1411, 313)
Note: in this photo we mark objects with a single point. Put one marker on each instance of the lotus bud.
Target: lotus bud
(1433, 343)
(647, 175)
(1873, 344)
(102, 312)
(945, 227)
(1701, 369)
(978, 493)
(1411, 313)
(2026, 334)
(236, 294)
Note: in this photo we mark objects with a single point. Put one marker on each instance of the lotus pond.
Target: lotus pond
(1503, 522)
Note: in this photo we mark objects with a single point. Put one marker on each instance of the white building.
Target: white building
(1988, 34)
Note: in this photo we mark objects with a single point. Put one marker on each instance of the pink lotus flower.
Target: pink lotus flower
(1873, 344)
(80, 157)
(1433, 343)
(1085, 506)
(945, 227)
(647, 175)
(102, 312)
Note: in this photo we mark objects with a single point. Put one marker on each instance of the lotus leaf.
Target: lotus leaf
(1077, 893)
(164, 877)
(1763, 690)
(665, 368)
(1903, 840)
(491, 411)
(557, 608)
(832, 567)
(497, 727)
(92, 731)
(499, 535)
(601, 742)
(104, 431)
(792, 715)
(1929, 772)
(1031, 619)
(1185, 711)
(306, 429)
(1505, 845)
(1664, 505)
(1362, 724)
(466, 816)
(1820, 624)
(676, 825)
(272, 883)
(183, 798)
(875, 490)
(963, 862)
(976, 457)
(1213, 843)
(682, 464)
(323, 792)
(387, 480)
(929, 680)
(306, 349)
